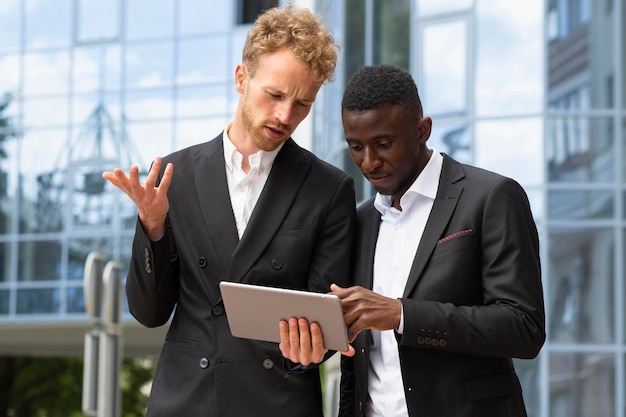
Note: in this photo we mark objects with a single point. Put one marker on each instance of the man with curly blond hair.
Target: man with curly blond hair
(249, 206)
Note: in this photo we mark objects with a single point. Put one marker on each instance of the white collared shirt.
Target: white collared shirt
(399, 235)
(245, 189)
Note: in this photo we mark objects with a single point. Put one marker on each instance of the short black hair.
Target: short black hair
(375, 86)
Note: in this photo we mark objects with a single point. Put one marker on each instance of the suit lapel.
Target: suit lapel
(288, 172)
(446, 200)
(367, 246)
(212, 186)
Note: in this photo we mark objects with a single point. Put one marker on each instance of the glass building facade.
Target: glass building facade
(534, 90)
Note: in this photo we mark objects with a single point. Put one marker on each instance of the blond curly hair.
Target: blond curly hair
(297, 30)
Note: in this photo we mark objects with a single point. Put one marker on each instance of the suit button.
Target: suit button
(428, 341)
(204, 363)
(202, 262)
(435, 342)
(218, 309)
(443, 342)
(268, 364)
(420, 340)
(276, 264)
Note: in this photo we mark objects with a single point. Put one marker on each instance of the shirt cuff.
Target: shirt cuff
(400, 328)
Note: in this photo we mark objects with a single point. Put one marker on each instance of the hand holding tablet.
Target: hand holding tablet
(254, 312)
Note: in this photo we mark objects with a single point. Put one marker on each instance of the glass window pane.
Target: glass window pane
(46, 73)
(98, 20)
(528, 373)
(79, 249)
(581, 274)
(510, 57)
(149, 104)
(582, 385)
(48, 23)
(10, 25)
(4, 302)
(453, 139)
(151, 139)
(580, 149)
(431, 7)
(75, 300)
(45, 111)
(582, 59)
(202, 100)
(96, 68)
(9, 73)
(5, 266)
(511, 147)
(197, 16)
(392, 32)
(149, 19)
(149, 65)
(39, 261)
(443, 68)
(203, 60)
(581, 205)
(39, 301)
(194, 131)
(42, 190)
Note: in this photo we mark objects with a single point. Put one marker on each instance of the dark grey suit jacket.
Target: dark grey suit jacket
(299, 236)
(472, 302)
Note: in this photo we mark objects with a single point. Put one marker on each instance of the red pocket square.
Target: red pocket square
(456, 234)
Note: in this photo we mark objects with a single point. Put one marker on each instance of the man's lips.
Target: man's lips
(274, 133)
(377, 180)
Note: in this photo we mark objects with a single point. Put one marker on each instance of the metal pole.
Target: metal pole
(110, 364)
(92, 285)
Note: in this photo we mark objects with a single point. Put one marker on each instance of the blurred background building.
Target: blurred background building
(535, 90)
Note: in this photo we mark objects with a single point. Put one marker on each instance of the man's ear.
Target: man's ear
(241, 76)
(425, 127)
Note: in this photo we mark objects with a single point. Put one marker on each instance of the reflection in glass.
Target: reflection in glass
(39, 261)
(443, 88)
(5, 265)
(510, 57)
(580, 149)
(158, 12)
(196, 16)
(432, 7)
(202, 60)
(4, 302)
(580, 282)
(581, 205)
(148, 104)
(48, 23)
(202, 100)
(193, 131)
(10, 27)
(512, 147)
(96, 68)
(52, 111)
(46, 73)
(392, 32)
(582, 385)
(39, 301)
(9, 74)
(149, 64)
(97, 20)
(75, 300)
(453, 139)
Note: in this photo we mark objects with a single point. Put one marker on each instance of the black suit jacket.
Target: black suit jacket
(472, 302)
(299, 236)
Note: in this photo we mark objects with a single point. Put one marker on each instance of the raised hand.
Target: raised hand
(151, 201)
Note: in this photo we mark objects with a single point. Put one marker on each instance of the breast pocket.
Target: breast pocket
(457, 240)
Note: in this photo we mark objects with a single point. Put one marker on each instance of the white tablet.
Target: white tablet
(254, 311)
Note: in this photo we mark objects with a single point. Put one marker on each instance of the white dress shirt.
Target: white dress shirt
(245, 189)
(399, 235)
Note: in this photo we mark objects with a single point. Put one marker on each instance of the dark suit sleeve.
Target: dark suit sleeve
(483, 293)
(152, 283)
(330, 261)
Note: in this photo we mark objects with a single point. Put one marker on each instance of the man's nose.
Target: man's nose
(284, 112)
(370, 161)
